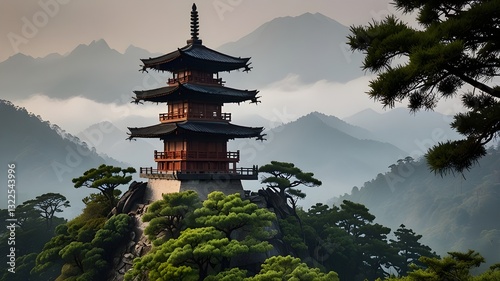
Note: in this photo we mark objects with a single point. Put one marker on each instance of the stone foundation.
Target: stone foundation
(157, 187)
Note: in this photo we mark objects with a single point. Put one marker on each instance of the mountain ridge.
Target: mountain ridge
(335, 157)
(309, 45)
(46, 158)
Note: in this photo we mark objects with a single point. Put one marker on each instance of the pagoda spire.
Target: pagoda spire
(194, 27)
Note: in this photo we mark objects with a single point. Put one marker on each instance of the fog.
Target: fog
(281, 102)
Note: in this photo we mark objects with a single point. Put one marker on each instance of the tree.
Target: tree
(457, 46)
(224, 227)
(169, 216)
(230, 213)
(352, 217)
(283, 179)
(105, 178)
(27, 216)
(48, 205)
(290, 268)
(454, 267)
(409, 249)
(189, 257)
(82, 229)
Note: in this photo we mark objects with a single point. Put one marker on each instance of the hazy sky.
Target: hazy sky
(40, 27)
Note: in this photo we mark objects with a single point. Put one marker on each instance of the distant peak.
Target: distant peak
(101, 43)
(94, 47)
(317, 17)
(20, 56)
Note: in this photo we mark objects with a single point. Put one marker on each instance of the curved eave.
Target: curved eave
(196, 57)
(198, 92)
(154, 131)
(219, 129)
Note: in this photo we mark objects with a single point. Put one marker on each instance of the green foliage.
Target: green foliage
(168, 217)
(47, 205)
(111, 235)
(289, 268)
(491, 275)
(224, 227)
(24, 264)
(346, 240)
(84, 246)
(86, 255)
(105, 178)
(35, 223)
(285, 176)
(292, 234)
(454, 267)
(409, 249)
(234, 274)
(277, 268)
(74, 252)
(230, 213)
(456, 46)
(282, 195)
(188, 256)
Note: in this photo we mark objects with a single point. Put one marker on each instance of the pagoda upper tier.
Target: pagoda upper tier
(198, 92)
(196, 56)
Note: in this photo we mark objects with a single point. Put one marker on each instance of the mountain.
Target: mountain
(94, 71)
(110, 140)
(312, 46)
(325, 148)
(46, 158)
(452, 212)
(354, 131)
(413, 133)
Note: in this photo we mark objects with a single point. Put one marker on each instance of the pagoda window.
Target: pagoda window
(177, 110)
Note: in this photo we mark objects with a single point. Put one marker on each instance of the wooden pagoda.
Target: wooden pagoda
(194, 130)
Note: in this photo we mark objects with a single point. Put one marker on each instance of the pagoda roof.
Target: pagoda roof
(195, 56)
(200, 92)
(205, 128)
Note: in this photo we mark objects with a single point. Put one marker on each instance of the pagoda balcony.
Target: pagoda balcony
(196, 79)
(235, 173)
(165, 117)
(229, 156)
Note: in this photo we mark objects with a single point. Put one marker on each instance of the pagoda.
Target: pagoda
(194, 130)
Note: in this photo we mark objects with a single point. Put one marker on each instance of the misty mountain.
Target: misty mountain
(323, 145)
(312, 46)
(94, 71)
(452, 212)
(46, 158)
(110, 140)
(413, 133)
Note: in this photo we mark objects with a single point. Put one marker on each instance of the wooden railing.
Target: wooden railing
(235, 171)
(173, 116)
(197, 79)
(234, 156)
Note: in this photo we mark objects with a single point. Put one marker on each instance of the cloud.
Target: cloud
(77, 113)
(282, 102)
(296, 99)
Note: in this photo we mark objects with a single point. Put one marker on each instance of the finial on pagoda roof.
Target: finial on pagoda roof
(194, 27)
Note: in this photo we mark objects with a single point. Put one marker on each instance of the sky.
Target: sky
(41, 27)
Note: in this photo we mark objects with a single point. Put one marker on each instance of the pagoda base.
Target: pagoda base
(159, 186)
